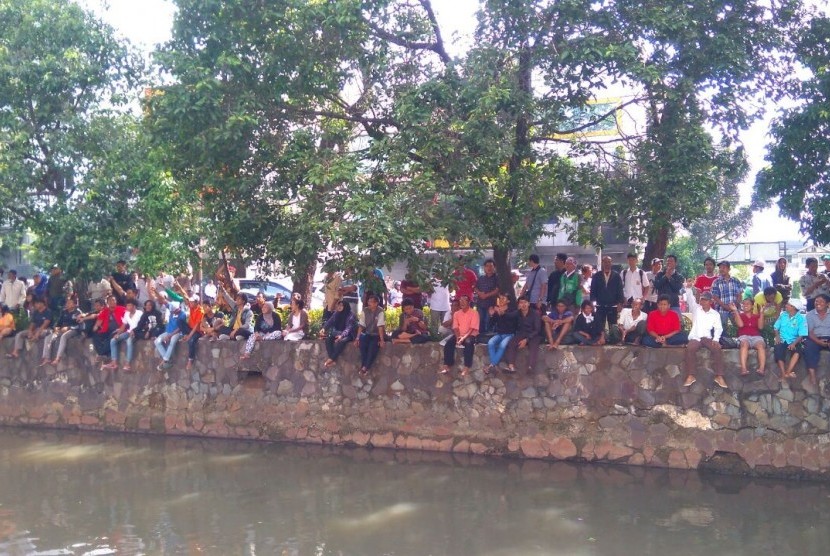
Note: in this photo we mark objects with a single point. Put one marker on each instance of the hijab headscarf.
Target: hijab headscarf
(342, 317)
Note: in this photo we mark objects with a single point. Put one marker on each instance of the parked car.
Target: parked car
(251, 287)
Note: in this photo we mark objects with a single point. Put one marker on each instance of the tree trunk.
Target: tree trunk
(502, 258)
(303, 281)
(658, 241)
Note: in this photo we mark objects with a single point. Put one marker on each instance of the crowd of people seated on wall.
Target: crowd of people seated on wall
(571, 305)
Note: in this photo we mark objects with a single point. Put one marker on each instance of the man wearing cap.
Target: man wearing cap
(705, 333)
(13, 294)
(760, 280)
(727, 292)
(780, 279)
(818, 338)
(813, 283)
(650, 300)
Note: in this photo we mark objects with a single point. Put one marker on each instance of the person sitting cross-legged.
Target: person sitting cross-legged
(558, 322)
(413, 327)
(338, 330)
(750, 325)
(790, 332)
(465, 332)
(268, 327)
(632, 323)
(705, 333)
(587, 330)
(663, 326)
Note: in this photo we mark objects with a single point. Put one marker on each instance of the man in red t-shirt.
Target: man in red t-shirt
(663, 326)
(704, 281)
(465, 281)
(109, 319)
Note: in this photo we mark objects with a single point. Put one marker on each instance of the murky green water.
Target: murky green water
(96, 494)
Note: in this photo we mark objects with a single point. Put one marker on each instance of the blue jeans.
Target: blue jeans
(496, 347)
(369, 348)
(117, 340)
(166, 352)
(812, 352)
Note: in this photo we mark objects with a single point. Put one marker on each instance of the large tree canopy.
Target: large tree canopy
(347, 126)
(699, 67)
(798, 176)
(75, 166)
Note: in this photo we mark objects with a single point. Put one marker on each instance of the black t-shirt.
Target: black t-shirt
(67, 318)
(39, 317)
(123, 280)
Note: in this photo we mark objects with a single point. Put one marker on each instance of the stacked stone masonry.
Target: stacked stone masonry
(621, 405)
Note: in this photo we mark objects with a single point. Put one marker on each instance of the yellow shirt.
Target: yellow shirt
(761, 304)
(6, 321)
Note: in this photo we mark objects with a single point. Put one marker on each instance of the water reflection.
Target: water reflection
(95, 494)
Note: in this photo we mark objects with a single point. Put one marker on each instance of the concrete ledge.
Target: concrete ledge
(613, 404)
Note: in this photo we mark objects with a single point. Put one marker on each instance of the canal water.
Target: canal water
(91, 494)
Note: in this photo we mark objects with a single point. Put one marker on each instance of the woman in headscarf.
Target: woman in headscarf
(40, 286)
(268, 327)
(338, 331)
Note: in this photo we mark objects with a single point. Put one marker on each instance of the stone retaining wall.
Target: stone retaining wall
(611, 404)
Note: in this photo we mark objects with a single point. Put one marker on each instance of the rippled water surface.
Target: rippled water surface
(96, 495)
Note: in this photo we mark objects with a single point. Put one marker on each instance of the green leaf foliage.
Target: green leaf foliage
(798, 176)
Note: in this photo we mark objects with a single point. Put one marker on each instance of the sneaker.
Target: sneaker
(721, 382)
(689, 381)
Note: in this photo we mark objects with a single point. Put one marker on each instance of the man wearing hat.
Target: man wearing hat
(705, 333)
(726, 292)
(760, 280)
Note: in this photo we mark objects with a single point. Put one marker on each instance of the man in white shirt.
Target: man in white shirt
(632, 323)
(439, 304)
(706, 332)
(13, 294)
(635, 282)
